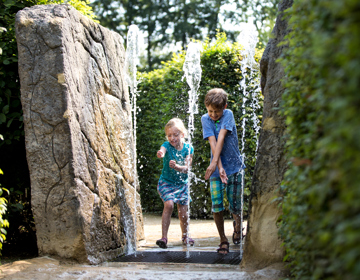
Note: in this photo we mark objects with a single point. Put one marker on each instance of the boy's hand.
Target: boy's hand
(172, 164)
(223, 175)
(210, 170)
(160, 154)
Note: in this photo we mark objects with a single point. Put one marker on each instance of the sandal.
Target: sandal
(223, 250)
(236, 241)
(162, 243)
(186, 240)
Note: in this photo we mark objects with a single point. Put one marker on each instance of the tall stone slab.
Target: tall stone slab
(78, 134)
(262, 243)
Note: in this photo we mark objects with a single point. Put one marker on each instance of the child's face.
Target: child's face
(174, 136)
(215, 113)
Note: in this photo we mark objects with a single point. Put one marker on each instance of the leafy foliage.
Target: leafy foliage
(83, 6)
(10, 107)
(264, 14)
(163, 94)
(3, 207)
(170, 25)
(321, 223)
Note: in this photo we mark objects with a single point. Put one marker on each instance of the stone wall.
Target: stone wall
(262, 244)
(78, 134)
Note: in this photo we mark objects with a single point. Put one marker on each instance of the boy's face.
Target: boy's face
(215, 113)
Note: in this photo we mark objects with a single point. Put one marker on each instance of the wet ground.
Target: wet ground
(204, 233)
(206, 239)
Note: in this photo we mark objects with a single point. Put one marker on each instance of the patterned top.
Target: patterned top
(170, 175)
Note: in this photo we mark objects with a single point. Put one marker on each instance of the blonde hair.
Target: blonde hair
(178, 124)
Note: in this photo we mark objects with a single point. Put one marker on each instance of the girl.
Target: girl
(172, 186)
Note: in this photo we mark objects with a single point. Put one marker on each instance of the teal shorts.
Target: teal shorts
(233, 193)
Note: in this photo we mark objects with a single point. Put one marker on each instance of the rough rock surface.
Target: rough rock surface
(262, 244)
(78, 134)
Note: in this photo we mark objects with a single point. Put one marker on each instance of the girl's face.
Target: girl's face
(174, 136)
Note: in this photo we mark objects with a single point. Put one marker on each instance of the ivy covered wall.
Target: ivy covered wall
(321, 220)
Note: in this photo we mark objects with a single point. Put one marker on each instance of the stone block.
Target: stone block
(262, 243)
(79, 143)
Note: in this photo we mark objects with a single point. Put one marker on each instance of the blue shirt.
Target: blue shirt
(230, 153)
(170, 175)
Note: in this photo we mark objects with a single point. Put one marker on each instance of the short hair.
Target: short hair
(216, 97)
(178, 124)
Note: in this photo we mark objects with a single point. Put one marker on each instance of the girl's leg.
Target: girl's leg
(183, 217)
(166, 217)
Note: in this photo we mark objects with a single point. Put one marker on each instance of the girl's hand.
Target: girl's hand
(172, 164)
(160, 154)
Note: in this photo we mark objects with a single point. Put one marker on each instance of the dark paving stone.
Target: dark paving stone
(181, 257)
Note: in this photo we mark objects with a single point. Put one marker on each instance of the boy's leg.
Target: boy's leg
(233, 191)
(219, 221)
(237, 229)
(224, 243)
(166, 217)
(217, 198)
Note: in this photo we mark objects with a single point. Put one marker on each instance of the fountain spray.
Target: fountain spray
(248, 38)
(131, 60)
(192, 70)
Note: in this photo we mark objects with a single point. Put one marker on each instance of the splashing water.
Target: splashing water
(248, 38)
(192, 70)
(126, 219)
(131, 61)
(132, 57)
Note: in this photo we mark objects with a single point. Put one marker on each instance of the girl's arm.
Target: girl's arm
(161, 153)
(182, 168)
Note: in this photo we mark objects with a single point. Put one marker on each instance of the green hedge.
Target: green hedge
(163, 94)
(321, 209)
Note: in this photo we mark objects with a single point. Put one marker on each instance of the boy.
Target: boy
(225, 168)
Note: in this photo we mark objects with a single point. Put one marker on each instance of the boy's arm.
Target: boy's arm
(216, 148)
(182, 168)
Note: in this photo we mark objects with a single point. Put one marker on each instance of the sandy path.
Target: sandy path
(206, 238)
(204, 233)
